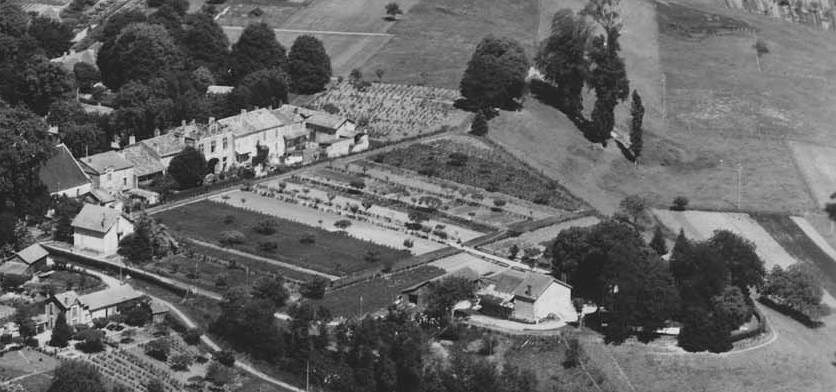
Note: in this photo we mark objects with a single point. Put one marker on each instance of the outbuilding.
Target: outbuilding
(99, 229)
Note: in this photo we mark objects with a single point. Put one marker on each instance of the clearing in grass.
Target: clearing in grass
(331, 252)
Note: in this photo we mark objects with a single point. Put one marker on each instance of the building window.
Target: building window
(109, 176)
(124, 181)
(225, 144)
(212, 147)
(200, 148)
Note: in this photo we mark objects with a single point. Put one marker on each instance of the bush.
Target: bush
(229, 219)
(138, 316)
(457, 159)
(342, 224)
(265, 227)
(679, 203)
(5, 338)
(99, 323)
(231, 237)
(158, 349)
(408, 243)
(314, 289)
(92, 341)
(357, 184)
(219, 374)
(268, 246)
(192, 336)
(220, 281)
(181, 362)
(307, 238)
(226, 358)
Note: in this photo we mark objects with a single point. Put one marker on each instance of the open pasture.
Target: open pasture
(435, 39)
(700, 225)
(274, 13)
(394, 111)
(20, 363)
(537, 238)
(460, 161)
(336, 253)
(817, 164)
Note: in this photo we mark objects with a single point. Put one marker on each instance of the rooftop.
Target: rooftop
(144, 158)
(62, 171)
(32, 253)
(326, 120)
(215, 89)
(13, 268)
(110, 297)
(253, 121)
(170, 143)
(103, 162)
(66, 298)
(520, 284)
(95, 218)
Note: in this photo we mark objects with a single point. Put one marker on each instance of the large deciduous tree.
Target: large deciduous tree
(140, 109)
(309, 67)
(495, 75)
(745, 266)
(188, 168)
(609, 80)
(266, 87)
(74, 376)
(445, 293)
(206, 44)
(563, 60)
(797, 288)
(24, 147)
(13, 20)
(52, 35)
(116, 23)
(140, 52)
(256, 49)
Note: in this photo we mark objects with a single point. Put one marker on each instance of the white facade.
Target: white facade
(555, 301)
(77, 191)
(115, 180)
(106, 243)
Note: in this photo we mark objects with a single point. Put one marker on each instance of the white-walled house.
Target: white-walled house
(528, 296)
(99, 229)
(86, 308)
(110, 172)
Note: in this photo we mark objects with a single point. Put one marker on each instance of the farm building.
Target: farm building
(35, 257)
(147, 164)
(100, 229)
(158, 311)
(328, 127)
(417, 294)
(63, 176)
(169, 144)
(85, 308)
(110, 171)
(526, 296)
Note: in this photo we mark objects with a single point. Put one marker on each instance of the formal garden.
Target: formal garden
(391, 112)
(275, 238)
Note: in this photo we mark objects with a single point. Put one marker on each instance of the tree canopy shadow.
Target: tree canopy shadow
(549, 95)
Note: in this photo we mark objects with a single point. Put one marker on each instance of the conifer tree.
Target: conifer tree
(637, 112)
(657, 243)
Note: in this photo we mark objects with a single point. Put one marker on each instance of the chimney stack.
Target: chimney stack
(243, 111)
(156, 132)
(211, 120)
(528, 290)
(182, 123)
(131, 139)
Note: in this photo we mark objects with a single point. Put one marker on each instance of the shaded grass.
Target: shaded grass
(255, 266)
(332, 252)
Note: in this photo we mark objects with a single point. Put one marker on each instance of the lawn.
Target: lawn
(70, 280)
(818, 165)
(332, 252)
(485, 168)
(436, 38)
(377, 294)
(19, 363)
(256, 266)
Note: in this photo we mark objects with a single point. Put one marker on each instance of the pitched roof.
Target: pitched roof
(170, 143)
(516, 283)
(145, 160)
(533, 285)
(326, 120)
(96, 108)
(109, 160)
(109, 297)
(32, 253)
(13, 268)
(253, 121)
(96, 218)
(61, 171)
(101, 196)
(66, 298)
(216, 89)
(158, 307)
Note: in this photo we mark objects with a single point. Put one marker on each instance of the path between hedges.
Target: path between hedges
(266, 260)
(318, 32)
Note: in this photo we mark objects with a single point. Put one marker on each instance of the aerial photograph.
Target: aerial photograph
(417, 196)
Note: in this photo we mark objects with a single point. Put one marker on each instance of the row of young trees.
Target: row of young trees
(705, 285)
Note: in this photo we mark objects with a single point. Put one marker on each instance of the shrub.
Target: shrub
(457, 159)
(220, 281)
(357, 184)
(314, 289)
(499, 202)
(268, 246)
(181, 362)
(138, 316)
(372, 256)
(231, 237)
(226, 358)
(440, 234)
(158, 349)
(330, 108)
(408, 243)
(219, 374)
(680, 203)
(229, 218)
(307, 238)
(91, 341)
(192, 336)
(342, 224)
(99, 322)
(573, 353)
(265, 227)
(543, 198)
(5, 338)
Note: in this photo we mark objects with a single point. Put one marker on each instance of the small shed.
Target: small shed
(35, 257)
(158, 311)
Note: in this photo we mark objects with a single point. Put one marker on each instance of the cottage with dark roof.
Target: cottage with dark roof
(83, 309)
(63, 176)
(110, 171)
(526, 296)
(35, 257)
(99, 229)
(147, 163)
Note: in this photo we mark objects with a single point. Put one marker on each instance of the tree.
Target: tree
(262, 88)
(155, 385)
(309, 66)
(25, 324)
(167, 17)
(74, 376)
(797, 288)
(271, 289)
(13, 20)
(65, 211)
(261, 155)
(52, 35)
(680, 203)
(315, 288)
(226, 358)
(181, 362)
(140, 110)
(255, 50)
(25, 147)
(563, 59)
(745, 266)
(219, 374)
(637, 113)
(61, 332)
(393, 10)
(140, 53)
(83, 139)
(86, 75)
(657, 243)
(495, 75)
(700, 273)
(730, 308)
(206, 44)
(158, 349)
(41, 83)
(605, 13)
(188, 168)
(830, 210)
(703, 331)
(479, 127)
(635, 207)
(249, 324)
(114, 24)
(445, 293)
(136, 249)
(609, 79)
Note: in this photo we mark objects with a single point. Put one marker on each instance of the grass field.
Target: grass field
(374, 295)
(27, 362)
(437, 38)
(537, 237)
(332, 252)
(483, 168)
(818, 165)
(256, 266)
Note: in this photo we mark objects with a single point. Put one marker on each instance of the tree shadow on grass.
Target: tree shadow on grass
(549, 95)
